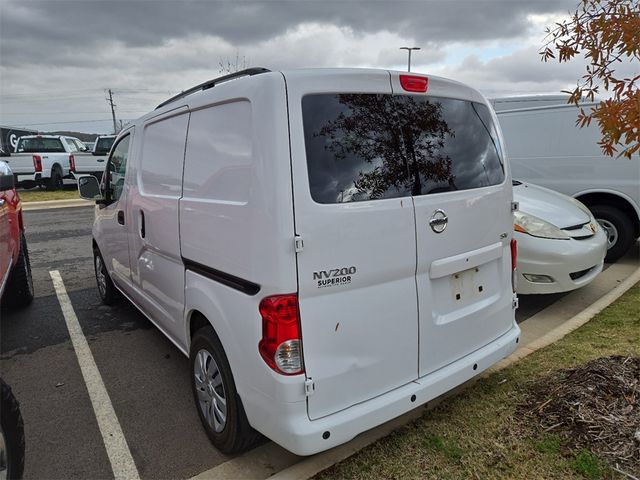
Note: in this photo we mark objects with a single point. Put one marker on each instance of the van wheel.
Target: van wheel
(618, 228)
(20, 284)
(11, 435)
(215, 395)
(106, 289)
(55, 182)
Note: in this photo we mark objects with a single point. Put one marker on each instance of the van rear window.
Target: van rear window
(371, 146)
(40, 145)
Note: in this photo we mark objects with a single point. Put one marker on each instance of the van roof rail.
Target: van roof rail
(212, 83)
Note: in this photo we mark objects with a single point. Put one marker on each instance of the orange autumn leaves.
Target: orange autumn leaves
(606, 33)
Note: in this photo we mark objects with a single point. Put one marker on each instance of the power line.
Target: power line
(128, 91)
(68, 113)
(43, 100)
(76, 121)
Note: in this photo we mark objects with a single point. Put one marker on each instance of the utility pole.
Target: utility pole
(409, 49)
(113, 111)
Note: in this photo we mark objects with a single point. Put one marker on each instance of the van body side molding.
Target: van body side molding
(240, 284)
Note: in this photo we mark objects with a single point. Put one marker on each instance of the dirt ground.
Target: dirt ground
(595, 406)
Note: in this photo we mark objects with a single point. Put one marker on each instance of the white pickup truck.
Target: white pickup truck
(93, 163)
(44, 160)
(49, 159)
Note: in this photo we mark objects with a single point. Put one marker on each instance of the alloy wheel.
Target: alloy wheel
(101, 276)
(212, 399)
(610, 230)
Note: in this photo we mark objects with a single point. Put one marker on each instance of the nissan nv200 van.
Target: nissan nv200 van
(330, 248)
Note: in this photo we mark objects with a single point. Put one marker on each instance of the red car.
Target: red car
(16, 284)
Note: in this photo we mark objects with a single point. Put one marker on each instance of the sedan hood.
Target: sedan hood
(550, 206)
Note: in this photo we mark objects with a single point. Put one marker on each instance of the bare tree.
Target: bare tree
(230, 65)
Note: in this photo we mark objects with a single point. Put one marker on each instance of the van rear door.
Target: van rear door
(462, 202)
(357, 248)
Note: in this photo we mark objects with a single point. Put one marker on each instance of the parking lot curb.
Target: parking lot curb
(315, 464)
(570, 325)
(27, 206)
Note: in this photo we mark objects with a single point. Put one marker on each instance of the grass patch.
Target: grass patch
(589, 465)
(478, 433)
(549, 444)
(447, 448)
(37, 195)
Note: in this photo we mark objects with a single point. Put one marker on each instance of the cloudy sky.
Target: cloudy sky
(57, 58)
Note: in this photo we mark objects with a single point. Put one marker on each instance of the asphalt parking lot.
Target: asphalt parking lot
(146, 377)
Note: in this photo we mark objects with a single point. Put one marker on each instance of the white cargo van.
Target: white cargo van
(331, 248)
(546, 147)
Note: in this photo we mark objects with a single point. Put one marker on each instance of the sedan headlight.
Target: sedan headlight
(536, 227)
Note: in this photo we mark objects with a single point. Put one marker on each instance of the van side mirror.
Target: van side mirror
(89, 188)
(7, 182)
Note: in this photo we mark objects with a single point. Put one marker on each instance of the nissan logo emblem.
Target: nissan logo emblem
(438, 221)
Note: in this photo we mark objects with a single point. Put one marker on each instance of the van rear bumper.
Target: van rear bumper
(288, 424)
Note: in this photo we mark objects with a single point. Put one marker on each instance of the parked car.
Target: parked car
(560, 244)
(546, 148)
(16, 284)
(44, 160)
(389, 283)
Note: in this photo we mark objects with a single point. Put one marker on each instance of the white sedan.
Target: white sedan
(561, 247)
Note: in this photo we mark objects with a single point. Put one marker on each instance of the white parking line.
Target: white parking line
(118, 451)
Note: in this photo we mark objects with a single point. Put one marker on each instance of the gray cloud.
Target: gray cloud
(65, 53)
(35, 30)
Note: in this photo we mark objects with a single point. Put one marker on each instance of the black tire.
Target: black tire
(237, 435)
(106, 288)
(621, 237)
(55, 182)
(19, 291)
(13, 433)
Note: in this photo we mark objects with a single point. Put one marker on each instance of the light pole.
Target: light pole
(408, 49)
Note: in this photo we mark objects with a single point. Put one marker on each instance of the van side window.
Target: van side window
(117, 167)
(162, 156)
(220, 153)
(372, 146)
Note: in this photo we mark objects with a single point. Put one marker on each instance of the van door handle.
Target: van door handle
(121, 217)
(143, 231)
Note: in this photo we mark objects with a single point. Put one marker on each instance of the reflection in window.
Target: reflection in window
(371, 146)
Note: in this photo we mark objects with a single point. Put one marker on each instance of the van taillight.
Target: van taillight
(514, 263)
(280, 345)
(37, 163)
(72, 163)
(413, 83)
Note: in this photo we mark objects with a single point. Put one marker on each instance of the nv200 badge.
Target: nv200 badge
(334, 277)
